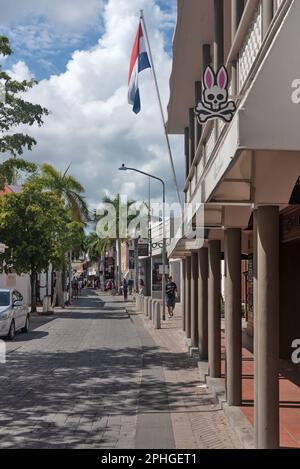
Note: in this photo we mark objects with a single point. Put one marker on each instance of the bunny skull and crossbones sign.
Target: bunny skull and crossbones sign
(214, 103)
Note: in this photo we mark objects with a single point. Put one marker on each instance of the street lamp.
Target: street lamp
(125, 168)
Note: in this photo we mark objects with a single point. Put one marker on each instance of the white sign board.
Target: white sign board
(160, 269)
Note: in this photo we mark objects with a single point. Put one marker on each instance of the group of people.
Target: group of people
(77, 286)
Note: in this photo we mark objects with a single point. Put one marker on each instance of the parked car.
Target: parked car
(14, 314)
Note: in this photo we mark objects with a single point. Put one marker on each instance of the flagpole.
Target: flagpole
(160, 106)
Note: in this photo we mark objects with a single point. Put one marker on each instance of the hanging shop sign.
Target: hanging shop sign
(143, 250)
(214, 103)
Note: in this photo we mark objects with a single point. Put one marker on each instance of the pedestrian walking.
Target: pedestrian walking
(171, 293)
(110, 286)
(75, 288)
(125, 289)
(142, 287)
(130, 286)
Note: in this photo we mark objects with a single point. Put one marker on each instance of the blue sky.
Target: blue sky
(80, 55)
(46, 44)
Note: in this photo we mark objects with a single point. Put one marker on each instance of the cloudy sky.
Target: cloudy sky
(80, 51)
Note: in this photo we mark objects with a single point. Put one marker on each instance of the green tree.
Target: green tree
(116, 203)
(15, 111)
(68, 187)
(36, 228)
(96, 246)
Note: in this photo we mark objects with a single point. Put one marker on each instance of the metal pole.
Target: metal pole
(160, 105)
(164, 255)
(136, 264)
(149, 231)
(163, 226)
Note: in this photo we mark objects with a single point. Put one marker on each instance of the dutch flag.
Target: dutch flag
(138, 62)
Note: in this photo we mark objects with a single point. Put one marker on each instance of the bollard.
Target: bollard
(157, 315)
(153, 310)
(146, 305)
(142, 303)
(138, 303)
(150, 308)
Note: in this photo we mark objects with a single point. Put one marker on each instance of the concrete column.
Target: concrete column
(202, 303)
(198, 127)
(237, 8)
(206, 55)
(183, 294)
(188, 298)
(267, 15)
(191, 136)
(234, 78)
(214, 316)
(194, 300)
(267, 328)
(218, 33)
(255, 322)
(233, 316)
(186, 150)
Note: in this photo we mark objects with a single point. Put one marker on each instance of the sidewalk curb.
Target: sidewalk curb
(237, 420)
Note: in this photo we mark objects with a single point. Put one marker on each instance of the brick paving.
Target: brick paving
(94, 376)
(289, 393)
(197, 420)
(73, 381)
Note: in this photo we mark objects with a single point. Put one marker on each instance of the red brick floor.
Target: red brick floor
(289, 392)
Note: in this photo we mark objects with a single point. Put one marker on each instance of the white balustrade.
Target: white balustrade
(277, 4)
(250, 47)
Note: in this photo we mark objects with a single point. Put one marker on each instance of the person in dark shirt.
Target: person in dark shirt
(125, 289)
(171, 292)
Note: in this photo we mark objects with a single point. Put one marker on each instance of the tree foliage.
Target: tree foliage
(96, 246)
(36, 228)
(68, 187)
(15, 111)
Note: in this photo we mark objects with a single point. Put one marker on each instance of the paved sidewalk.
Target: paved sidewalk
(197, 420)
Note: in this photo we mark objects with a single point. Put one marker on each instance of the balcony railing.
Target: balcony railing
(277, 4)
(245, 51)
(250, 47)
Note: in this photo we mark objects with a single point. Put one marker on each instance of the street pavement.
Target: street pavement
(95, 376)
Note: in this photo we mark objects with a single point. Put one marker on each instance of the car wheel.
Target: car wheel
(26, 327)
(12, 331)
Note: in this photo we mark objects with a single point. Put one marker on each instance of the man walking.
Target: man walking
(125, 289)
(171, 292)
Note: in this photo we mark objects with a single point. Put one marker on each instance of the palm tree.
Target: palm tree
(70, 189)
(96, 247)
(116, 202)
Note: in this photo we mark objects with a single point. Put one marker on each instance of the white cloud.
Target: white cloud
(61, 13)
(20, 71)
(91, 124)
(42, 29)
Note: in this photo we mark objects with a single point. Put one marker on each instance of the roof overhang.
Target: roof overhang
(193, 29)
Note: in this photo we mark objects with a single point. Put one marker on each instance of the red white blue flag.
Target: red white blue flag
(138, 62)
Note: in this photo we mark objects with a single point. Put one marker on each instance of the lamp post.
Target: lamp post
(125, 168)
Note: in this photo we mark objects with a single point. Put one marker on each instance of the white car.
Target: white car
(14, 314)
